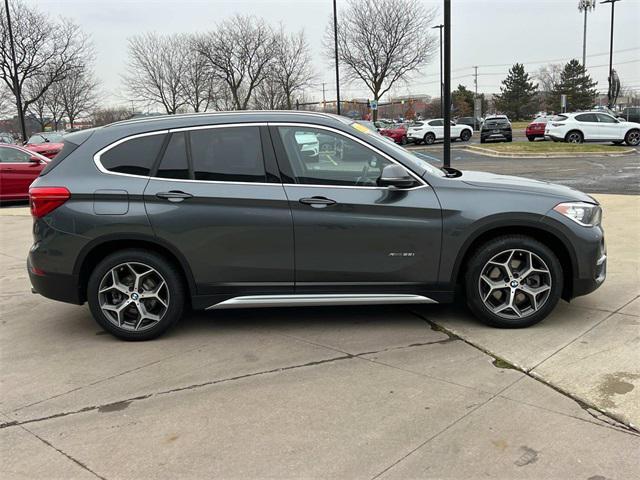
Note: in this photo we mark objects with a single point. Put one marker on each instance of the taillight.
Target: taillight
(46, 199)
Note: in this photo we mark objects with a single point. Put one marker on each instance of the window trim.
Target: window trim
(102, 169)
(421, 181)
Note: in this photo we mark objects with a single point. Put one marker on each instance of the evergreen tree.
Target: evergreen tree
(517, 94)
(577, 85)
(462, 100)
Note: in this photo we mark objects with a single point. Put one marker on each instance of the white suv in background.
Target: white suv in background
(428, 131)
(592, 127)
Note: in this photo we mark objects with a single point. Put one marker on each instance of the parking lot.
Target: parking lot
(377, 392)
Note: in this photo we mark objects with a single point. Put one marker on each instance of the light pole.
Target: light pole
(440, 27)
(611, 94)
(335, 44)
(446, 86)
(16, 84)
(585, 6)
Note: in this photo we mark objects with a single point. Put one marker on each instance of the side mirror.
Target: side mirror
(396, 176)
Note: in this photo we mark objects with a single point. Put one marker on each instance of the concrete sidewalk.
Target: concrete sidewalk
(374, 392)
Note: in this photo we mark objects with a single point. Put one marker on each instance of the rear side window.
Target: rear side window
(587, 117)
(135, 156)
(174, 161)
(436, 123)
(560, 118)
(229, 154)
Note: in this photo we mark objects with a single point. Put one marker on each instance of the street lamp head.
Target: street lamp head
(438, 26)
(586, 5)
(610, 1)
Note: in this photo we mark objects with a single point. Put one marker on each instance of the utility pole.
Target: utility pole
(324, 102)
(440, 27)
(585, 6)
(447, 83)
(611, 94)
(16, 85)
(335, 43)
(475, 96)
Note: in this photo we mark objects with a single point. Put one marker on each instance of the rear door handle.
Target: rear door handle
(317, 202)
(174, 196)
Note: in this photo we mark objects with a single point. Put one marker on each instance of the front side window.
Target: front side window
(320, 157)
(13, 155)
(135, 156)
(231, 154)
(436, 123)
(604, 118)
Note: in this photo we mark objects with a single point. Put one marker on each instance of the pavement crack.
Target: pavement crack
(115, 406)
(61, 452)
(502, 363)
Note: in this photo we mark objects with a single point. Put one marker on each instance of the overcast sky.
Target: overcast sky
(492, 34)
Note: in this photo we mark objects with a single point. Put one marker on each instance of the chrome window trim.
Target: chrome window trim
(102, 169)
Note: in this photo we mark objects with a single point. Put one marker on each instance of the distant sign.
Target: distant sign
(374, 104)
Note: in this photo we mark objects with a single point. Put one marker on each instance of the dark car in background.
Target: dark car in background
(496, 127)
(631, 114)
(536, 128)
(48, 144)
(215, 211)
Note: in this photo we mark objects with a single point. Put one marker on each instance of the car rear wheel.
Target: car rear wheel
(403, 140)
(465, 135)
(574, 137)
(135, 294)
(429, 138)
(531, 138)
(632, 138)
(513, 281)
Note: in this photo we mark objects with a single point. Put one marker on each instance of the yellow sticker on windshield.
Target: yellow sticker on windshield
(360, 128)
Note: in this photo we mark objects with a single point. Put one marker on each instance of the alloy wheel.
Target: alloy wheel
(514, 284)
(633, 138)
(574, 137)
(133, 296)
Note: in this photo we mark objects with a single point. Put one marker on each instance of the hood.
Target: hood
(508, 182)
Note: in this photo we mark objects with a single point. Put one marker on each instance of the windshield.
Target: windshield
(45, 138)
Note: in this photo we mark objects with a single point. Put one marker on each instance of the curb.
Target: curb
(494, 153)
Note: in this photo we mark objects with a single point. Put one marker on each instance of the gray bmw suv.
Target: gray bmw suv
(228, 210)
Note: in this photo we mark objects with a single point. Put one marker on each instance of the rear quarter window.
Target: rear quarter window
(135, 156)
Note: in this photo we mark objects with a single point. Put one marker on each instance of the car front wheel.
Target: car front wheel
(135, 294)
(513, 281)
(632, 138)
(429, 139)
(465, 135)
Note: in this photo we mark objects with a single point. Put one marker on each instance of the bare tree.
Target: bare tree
(46, 51)
(39, 109)
(104, 116)
(155, 70)
(55, 105)
(239, 53)
(6, 103)
(381, 42)
(292, 69)
(548, 77)
(270, 95)
(78, 94)
(197, 82)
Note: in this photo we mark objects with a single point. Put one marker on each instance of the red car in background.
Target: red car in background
(398, 133)
(536, 128)
(19, 167)
(45, 143)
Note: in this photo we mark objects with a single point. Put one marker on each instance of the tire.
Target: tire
(482, 140)
(508, 139)
(429, 138)
(574, 136)
(164, 306)
(531, 138)
(465, 135)
(484, 300)
(632, 138)
(403, 141)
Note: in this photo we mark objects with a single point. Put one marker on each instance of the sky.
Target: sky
(492, 34)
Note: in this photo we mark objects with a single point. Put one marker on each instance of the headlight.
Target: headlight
(586, 214)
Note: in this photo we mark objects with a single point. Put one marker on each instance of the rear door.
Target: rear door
(350, 234)
(589, 125)
(214, 197)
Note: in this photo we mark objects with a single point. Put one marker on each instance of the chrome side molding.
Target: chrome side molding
(305, 300)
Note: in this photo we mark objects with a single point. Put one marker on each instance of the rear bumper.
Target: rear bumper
(496, 136)
(60, 287)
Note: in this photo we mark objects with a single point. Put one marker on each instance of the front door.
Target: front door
(17, 172)
(212, 199)
(350, 234)
(609, 127)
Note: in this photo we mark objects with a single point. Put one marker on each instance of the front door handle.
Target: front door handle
(174, 196)
(317, 202)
